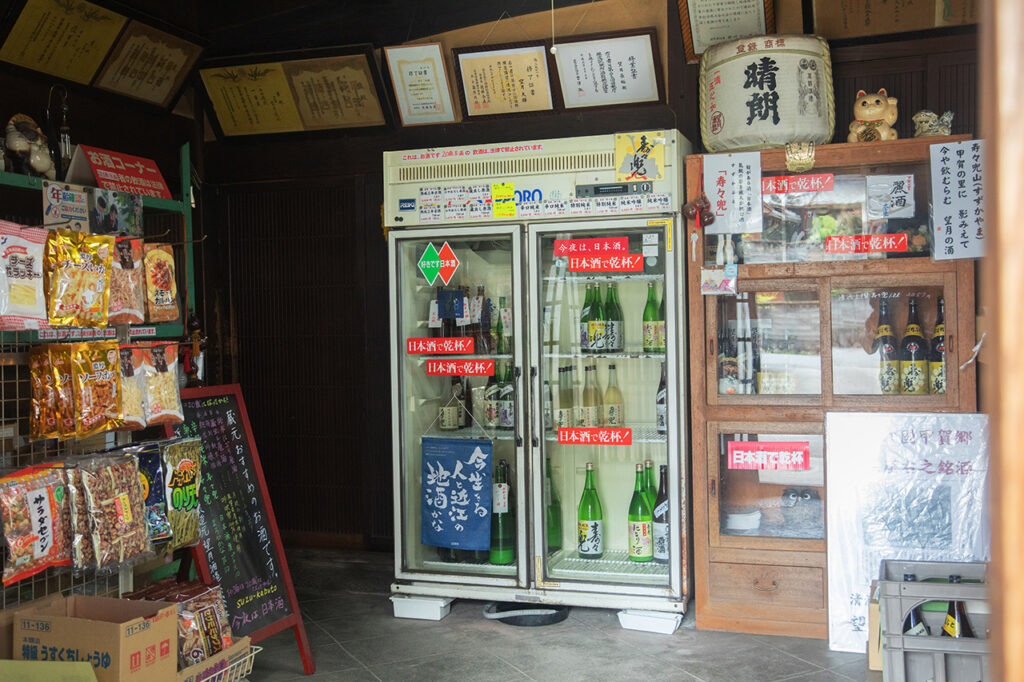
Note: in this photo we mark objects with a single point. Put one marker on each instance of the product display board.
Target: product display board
(240, 544)
(901, 486)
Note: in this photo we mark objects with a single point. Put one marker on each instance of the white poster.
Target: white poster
(712, 21)
(732, 183)
(421, 84)
(906, 486)
(597, 73)
(958, 199)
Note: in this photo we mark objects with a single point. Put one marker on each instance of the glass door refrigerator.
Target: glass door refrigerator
(538, 360)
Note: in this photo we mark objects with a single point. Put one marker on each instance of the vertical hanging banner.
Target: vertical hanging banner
(958, 199)
(732, 183)
(456, 497)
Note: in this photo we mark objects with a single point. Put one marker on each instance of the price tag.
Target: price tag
(479, 210)
(503, 199)
(555, 209)
(430, 196)
(430, 214)
(607, 205)
(631, 204)
(580, 207)
(476, 308)
(455, 195)
(455, 212)
(434, 320)
(657, 202)
(530, 209)
(506, 320)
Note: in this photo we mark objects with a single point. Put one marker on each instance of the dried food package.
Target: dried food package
(161, 288)
(43, 418)
(151, 477)
(79, 265)
(127, 290)
(133, 388)
(182, 476)
(203, 627)
(35, 513)
(96, 370)
(63, 385)
(117, 510)
(82, 555)
(162, 401)
(22, 296)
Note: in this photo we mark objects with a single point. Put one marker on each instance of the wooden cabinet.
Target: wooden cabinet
(797, 340)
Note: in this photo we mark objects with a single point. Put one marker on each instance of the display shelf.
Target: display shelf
(613, 566)
(474, 432)
(457, 356)
(466, 567)
(642, 433)
(584, 278)
(625, 355)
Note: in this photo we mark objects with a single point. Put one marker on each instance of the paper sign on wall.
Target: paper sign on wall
(958, 199)
(640, 156)
(732, 183)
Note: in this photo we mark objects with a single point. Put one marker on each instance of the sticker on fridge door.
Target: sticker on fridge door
(434, 263)
(460, 368)
(456, 493)
(626, 262)
(503, 201)
(746, 454)
(640, 156)
(406, 204)
(592, 245)
(592, 436)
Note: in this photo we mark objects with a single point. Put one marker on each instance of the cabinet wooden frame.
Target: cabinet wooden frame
(725, 567)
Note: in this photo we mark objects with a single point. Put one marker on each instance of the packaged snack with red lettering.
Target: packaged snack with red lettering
(22, 296)
(35, 513)
(133, 388)
(161, 288)
(117, 509)
(127, 290)
(79, 266)
(96, 369)
(43, 417)
(203, 627)
(63, 384)
(163, 401)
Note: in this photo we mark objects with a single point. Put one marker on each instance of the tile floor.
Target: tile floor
(354, 636)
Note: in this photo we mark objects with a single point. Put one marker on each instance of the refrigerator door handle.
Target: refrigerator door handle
(533, 422)
(517, 374)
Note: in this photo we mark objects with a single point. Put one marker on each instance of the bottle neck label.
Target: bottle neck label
(951, 627)
(499, 498)
(661, 510)
(883, 330)
(640, 541)
(912, 330)
(590, 538)
(661, 541)
(940, 330)
(914, 377)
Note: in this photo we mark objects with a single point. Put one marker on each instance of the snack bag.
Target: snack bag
(133, 388)
(117, 510)
(151, 477)
(82, 554)
(43, 421)
(35, 513)
(161, 288)
(79, 265)
(182, 477)
(162, 402)
(127, 293)
(22, 296)
(97, 386)
(203, 627)
(60, 362)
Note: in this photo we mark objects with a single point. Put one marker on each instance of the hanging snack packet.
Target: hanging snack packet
(60, 362)
(161, 288)
(133, 387)
(117, 511)
(43, 418)
(22, 296)
(79, 265)
(162, 402)
(127, 294)
(182, 476)
(82, 555)
(97, 382)
(33, 507)
(151, 477)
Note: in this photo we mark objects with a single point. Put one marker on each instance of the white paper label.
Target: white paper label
(733, 186)
(430, 196)
(454, 195)
(547, 491)
(958, 199)
(499, 498)
(455, 212)
(657, 202)
(555, 209)
(479, 193)
(530, 209)
(633, 203)
(607, 205)
(479, 210)
(506, 321)
(661, 541)
(434, 320)
(465, 319)
(580, 207)
(430, 214)
(476, 307)
(42, 521)
(590, 538)
(565, 418)
(651, 251)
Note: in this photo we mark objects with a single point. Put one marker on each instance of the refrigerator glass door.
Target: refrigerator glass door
(605, 395)
(457, 410)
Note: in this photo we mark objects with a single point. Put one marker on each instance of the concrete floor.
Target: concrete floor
(355, 636)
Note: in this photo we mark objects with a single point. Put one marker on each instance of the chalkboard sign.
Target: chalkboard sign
(240, 545)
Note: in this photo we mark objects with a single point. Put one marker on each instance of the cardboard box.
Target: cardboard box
(874, 630)
(45, 671)
(123, 640)
(834, 20)
(215, 665)
(9, 615)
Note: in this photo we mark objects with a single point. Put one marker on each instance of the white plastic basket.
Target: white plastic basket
(238, 670)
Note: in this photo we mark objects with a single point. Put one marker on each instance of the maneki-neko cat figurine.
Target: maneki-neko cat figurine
(874, 115)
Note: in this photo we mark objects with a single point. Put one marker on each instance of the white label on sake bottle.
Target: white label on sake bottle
(499, 498)
(435, 320)
(590, 417)
(661, 541)
(564, 418)
(613, 414)
(613, 336)
(590, 538)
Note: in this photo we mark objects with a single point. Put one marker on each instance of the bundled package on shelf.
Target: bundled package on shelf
(96, 370)
(43, 418)
(22, 297)
(60, 362)
(83, 557)
(151, 475)
(161, 288)
(79, 270)
(182, 476)
(127, 289)
(133, 388)
(117, 510)
(36, 518)
(162, 401)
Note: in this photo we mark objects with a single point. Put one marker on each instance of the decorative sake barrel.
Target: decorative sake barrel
(766, 91)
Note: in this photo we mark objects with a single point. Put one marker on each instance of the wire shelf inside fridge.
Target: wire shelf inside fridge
(614, 565)
(642, 433)
(584, 277)
(474, 432)
(477, 356)
(626, 355)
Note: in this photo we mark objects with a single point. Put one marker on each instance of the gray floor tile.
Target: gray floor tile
(354, 675)
(279, 663)
(819, 676)
(746, 659)
(456, 665)
(408, 646)
(813, 650)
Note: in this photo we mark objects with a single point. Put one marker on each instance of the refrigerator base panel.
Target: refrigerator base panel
(463, 567)
(585, 599)
(613, 565)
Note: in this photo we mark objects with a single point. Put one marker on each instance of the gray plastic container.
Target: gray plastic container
(907, 658)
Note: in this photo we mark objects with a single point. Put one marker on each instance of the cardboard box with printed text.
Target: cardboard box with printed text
(122, 639)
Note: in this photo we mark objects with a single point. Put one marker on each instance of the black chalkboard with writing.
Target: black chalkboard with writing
(240, 545)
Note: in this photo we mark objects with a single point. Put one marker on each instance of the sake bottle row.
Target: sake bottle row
(602, 324)
(597, 408)
(647, 518)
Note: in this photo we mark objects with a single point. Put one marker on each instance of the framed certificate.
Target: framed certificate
(420, 83)
(707, 22)
(504, 79)
(148, 64)
(610, 69)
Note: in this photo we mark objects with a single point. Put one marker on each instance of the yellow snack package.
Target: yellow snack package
(79, 266)
(96, 370)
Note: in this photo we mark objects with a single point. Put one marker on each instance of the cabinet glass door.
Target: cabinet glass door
(605, 299)
(457, 413)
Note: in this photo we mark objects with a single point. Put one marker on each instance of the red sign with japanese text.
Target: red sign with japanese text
(747, 454)
(783, 184)
(586, 247)
(458, 344)
(125, 173)
(606, 436)
(628, 262)
(867, 243)
(460, 368)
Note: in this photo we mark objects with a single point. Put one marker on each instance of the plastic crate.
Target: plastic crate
(935, 658)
